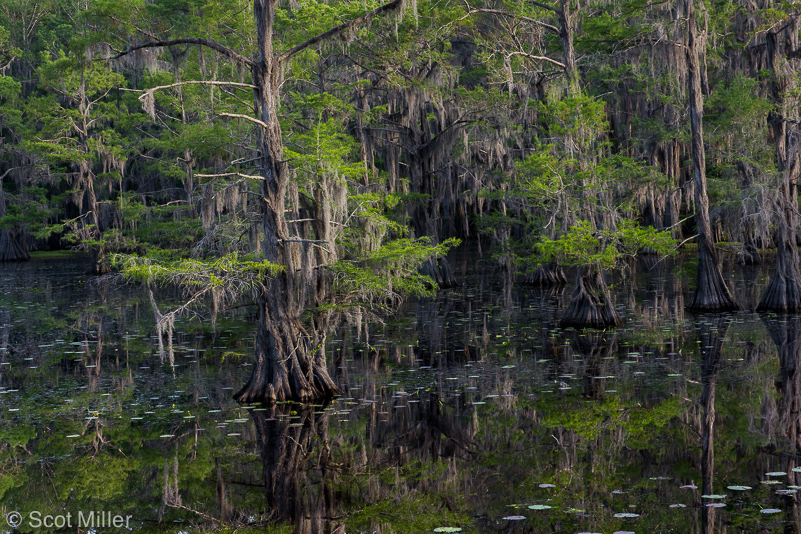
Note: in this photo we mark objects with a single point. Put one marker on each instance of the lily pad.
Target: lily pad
(678, 506)
(713, 496)
(775, 474)
(769, 511)
(539, 507)
(626, 514)
(514, 517)
(547, 485)
(738, 488)
(447, 529)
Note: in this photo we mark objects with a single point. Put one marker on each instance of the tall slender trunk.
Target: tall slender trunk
(711, 293)
(783, 293)
(286, 366)
(566, 21)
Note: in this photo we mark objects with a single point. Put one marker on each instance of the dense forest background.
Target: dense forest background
(320, 155)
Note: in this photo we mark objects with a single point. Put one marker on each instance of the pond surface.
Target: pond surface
(470, 411)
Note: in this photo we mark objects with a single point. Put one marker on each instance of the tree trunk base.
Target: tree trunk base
(547, 275)
(100, 266)
(10, 249)
(591, 304)
(783, 294)
(439, 270)
(286, 367)
(749, 255)
(712, 294)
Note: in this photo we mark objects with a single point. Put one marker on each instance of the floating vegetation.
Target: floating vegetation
(770, 511)
(739, 488)
(540, 507)
(626, 515)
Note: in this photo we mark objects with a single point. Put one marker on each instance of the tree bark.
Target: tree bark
(591, 303)
(566, 22)
(547, 275)
(286, 366)
(10, 249)
(711, 294)
(783, 293)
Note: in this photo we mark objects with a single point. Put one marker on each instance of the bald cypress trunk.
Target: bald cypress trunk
(547, 275)
(285, 367)
(783, 293)
(591, 302)
(711, 293)
(10, 249)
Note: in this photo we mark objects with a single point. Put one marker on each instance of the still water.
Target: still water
(470, 412)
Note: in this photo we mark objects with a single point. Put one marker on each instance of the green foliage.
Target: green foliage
(231, 273)
(389, 272)
(583, 244)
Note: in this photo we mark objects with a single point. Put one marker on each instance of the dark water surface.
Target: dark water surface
(471, 411)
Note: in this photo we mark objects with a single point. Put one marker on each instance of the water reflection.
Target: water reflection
(469, 410)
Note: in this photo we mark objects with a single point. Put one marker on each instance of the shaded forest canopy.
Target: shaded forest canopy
(318, 155)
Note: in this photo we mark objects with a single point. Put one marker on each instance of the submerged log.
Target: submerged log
(547, 275)
(591, 303)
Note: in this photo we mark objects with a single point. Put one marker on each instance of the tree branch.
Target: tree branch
(339, 29)
(548, 27)
(191, 82)
(537, 58)
(224, 174)
(545, 6)
(224, 50)
(239, 116)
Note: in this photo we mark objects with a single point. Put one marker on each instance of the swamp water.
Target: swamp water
(470, 411)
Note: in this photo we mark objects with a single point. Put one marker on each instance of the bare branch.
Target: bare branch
(191, 82)
(537, 58)
(224, 174)
(545, 6)
(239, 116)
(222, 49)
(498, 12)
(395, 4)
